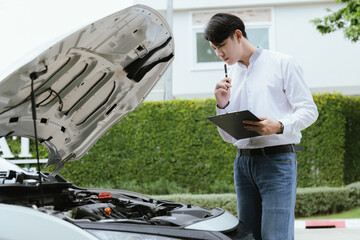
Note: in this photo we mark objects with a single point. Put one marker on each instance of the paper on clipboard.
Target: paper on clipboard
(233, 125)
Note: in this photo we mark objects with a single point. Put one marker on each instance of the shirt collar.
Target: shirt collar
(253, 57)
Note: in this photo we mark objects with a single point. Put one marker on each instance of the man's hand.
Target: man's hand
(222, 92)
(265, 126)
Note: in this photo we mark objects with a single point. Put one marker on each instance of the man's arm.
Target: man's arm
(300, 98)
(222, 95)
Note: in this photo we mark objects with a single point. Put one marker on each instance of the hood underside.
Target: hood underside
(87, 82)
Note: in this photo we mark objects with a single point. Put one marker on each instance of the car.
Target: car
(66, 98)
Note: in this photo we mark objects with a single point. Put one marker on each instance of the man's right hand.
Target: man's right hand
(222, 92)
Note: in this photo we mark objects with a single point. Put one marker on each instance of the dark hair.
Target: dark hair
(221, 26)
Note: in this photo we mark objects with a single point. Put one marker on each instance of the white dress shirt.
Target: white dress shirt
(272, 86)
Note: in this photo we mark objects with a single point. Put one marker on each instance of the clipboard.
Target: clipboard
(233, 125)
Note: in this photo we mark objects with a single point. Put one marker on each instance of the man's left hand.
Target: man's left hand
(265, 126)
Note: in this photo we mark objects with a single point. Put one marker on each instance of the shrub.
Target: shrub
(171, 144)
(352, 141)
(323, 200)
(322, 161)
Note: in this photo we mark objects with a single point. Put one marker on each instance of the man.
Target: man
(271, 86)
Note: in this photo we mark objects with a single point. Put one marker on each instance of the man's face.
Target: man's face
(227, 50)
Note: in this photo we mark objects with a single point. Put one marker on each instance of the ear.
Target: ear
(238, 34)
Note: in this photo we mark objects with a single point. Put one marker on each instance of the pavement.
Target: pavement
(327, 234)
(335, 229)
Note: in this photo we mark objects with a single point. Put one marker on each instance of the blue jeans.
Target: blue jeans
(266, 194)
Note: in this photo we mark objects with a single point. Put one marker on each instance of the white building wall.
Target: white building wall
(330, 63)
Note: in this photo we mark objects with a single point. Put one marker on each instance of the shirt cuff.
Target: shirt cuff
(222, 110)
(287, 126)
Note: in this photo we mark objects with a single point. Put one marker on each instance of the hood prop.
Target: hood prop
(33, 77)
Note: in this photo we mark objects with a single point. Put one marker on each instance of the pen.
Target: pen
(226, 75)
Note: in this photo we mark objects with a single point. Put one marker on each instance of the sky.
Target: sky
(26, 26)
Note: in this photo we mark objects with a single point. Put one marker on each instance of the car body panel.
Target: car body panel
(17, 225)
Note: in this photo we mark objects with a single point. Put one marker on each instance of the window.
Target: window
(258, 37)
(204, 53)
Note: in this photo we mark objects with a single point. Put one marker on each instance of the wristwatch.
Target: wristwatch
(281, 128)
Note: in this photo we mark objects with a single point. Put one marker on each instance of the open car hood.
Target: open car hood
(87, 82)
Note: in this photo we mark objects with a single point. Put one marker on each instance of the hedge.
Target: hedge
(322, 161)
(174, 141)
(352, 140)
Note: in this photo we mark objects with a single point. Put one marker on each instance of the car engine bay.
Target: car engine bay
(66, 201)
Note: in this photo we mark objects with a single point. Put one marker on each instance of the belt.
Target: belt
(268, 150)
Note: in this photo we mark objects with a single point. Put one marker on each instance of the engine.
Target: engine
(62, 199)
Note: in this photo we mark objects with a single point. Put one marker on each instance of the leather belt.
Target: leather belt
(268, 150)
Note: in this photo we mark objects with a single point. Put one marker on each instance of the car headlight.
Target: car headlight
(112, 235)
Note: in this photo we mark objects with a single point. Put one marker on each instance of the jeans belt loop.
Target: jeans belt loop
(263, 151)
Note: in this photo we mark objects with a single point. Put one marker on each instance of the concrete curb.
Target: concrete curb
(334, 223)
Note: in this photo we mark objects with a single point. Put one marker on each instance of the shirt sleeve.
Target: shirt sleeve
(300, 98)
(224, 135)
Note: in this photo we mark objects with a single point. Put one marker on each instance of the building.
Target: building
(330, 62)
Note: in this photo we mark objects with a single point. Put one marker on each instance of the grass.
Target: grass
(353, 213)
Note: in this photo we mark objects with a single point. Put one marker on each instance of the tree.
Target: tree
(347, 18)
